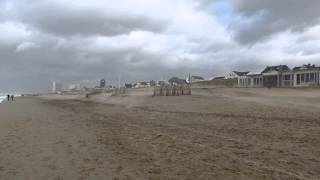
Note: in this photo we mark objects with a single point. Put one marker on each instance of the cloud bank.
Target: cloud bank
(59, 40)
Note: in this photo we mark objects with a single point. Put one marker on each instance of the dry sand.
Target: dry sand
(216, 133)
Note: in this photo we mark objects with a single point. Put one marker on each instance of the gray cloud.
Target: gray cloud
(33, 70)
(65, 20)
(91, 22)
(274, 16)
(42, 41)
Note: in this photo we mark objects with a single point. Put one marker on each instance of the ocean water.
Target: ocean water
(3, 97)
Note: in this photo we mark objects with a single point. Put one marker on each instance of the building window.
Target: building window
(307, 77)
(312, 77)
(298, 79)
(241, 82)
(256, 81)
(302, 78)
(287, 77)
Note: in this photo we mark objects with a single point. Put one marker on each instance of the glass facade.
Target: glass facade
(287, 80)
(309, 78)
(301, 78)
(257, 81)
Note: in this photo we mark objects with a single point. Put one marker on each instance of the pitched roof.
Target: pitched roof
(276, 68)
(253, 74)
(219, 77)
(177, 80)
(305, 66)
(197, 77)
(241, 73)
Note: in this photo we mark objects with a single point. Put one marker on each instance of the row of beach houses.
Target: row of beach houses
(272, 76)
(278, 76)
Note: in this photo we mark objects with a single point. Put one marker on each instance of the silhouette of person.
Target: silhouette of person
(8, 96)
(12, 96)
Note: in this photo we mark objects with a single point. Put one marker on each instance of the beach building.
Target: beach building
(161, 83)
(254, 80)
(287, 79)
(306, 75)
(241, 78)
(195, 79)
(280, 76)
(250, 80)
(236, 74)
(128, 85)
(177, 81)
(102, 83)
(273, 75)
(218, 77)
(142, 85)
(56, 87)
(74, 87)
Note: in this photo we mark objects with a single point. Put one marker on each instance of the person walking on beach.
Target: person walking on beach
(8, 97)
(12, 96)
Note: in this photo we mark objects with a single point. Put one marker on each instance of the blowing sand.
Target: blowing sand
(213, 134)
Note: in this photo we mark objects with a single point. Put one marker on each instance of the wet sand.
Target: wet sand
(213, 134)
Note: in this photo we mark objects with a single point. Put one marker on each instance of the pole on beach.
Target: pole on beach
(119, 81)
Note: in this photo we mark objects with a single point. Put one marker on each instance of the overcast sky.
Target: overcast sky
(82, 41)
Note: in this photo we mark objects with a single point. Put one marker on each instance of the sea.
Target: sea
(3, 96)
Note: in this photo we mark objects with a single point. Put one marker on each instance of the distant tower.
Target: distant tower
(54, 87)
(102, 83)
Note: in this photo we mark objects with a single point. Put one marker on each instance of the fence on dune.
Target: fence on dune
(172, 90)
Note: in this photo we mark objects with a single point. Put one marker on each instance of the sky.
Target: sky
(138, 40)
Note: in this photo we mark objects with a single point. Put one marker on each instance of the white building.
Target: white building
(74, 87)
(56, 87)
(280, 76)
(194, 79)
(241, 78)
(254, 80)
(236, 74)
(306, 75)
(142, 85)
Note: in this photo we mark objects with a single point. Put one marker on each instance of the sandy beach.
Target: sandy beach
(217, 133)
